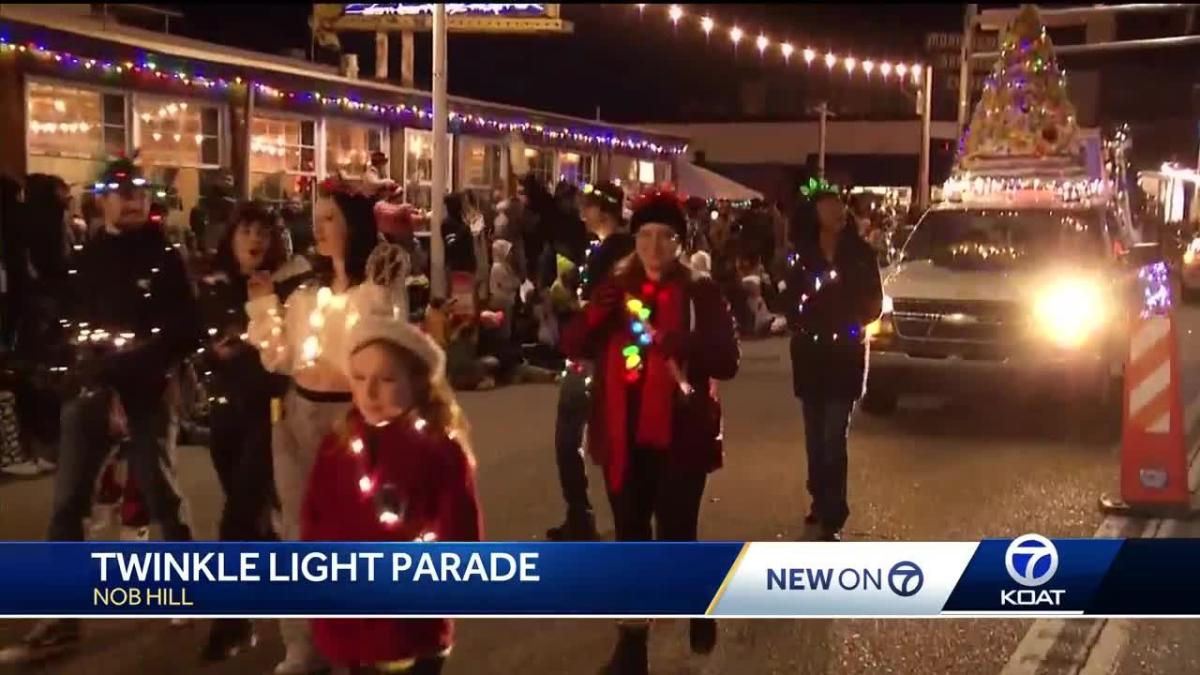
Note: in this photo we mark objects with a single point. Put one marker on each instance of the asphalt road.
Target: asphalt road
(936, 470)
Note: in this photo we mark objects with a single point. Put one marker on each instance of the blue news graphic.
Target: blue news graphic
(995, 577)
(343, 579)
(1033, 574)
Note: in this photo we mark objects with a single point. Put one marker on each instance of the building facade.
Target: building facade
(207, 119)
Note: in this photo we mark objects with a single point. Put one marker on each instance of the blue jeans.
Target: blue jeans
(826, 427)
(85, 446)
(569, 424)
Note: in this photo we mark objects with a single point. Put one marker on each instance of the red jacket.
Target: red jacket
(706, 349)
(433, 479)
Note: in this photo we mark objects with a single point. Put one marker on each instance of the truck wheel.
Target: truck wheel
(880, 401)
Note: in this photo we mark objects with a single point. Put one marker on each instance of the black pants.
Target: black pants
(241, 454)
(826, 427)
(569, 426)
(657, 502)
(85, 447)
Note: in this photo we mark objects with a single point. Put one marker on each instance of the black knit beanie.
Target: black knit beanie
(664, 208)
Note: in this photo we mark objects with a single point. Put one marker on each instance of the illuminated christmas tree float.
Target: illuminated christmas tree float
(1024, 124)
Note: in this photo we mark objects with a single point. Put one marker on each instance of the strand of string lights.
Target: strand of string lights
(898, 72)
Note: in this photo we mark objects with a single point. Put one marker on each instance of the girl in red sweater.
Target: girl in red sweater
(398, 469)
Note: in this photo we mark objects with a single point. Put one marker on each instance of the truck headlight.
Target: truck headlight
(1191, 252)
(1068, 312)
(883, 324)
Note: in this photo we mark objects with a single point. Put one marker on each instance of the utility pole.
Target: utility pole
(925, 108)
(441, 154)
(964, 67)
(823, 109)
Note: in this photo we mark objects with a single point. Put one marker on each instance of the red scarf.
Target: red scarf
(658, 382)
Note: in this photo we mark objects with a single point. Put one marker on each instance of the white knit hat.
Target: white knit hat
(382, 321)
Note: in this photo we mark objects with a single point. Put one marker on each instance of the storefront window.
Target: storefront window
(418, 167)
(576, 168)
(180, 144)
(73, 131)
(482, 170)
(645, 172)
(541, 165)
(283, 171)
(348, 147)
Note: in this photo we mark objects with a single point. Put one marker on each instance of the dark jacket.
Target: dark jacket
(460, 245)
(707, 351)
(135, 283)
(599, 262)
(241, 380)
(828, 320)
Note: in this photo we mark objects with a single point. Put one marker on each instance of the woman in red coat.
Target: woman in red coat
(660, 335)
(398, 469)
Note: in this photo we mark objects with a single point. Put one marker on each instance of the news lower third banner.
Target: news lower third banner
(1023, 576)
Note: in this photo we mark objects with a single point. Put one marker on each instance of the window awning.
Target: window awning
(697, 181)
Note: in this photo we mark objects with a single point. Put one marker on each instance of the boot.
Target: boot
(48, 638)
(702, 634)
(575, 528)
(227, 638)
(631, 655)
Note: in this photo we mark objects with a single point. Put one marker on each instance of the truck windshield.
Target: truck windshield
(1000, 239)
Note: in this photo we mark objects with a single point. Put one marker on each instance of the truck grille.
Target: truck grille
(959, 320)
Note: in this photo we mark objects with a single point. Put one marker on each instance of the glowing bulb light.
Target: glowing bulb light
(868, 66)
(885, 69)
(762, 42)
(809, 55)
(916, 73)
(830, 60)
(365, 485)
(735, 34)
(676, 13)
(850, 63)
(787, 50)
(706, 25)
(901, 69)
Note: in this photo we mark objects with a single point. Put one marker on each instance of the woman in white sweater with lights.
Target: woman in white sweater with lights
(306, 338)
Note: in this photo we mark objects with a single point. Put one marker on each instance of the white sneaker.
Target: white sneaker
(130, 533)
(26, 469)
(45, 465)
(103, 521)
(301, 665)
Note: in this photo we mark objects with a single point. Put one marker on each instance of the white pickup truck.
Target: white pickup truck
(1004, 298)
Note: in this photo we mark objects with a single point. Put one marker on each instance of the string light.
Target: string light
(708, 24)
(868, 66)
(642, 332)
(885, 69)
(547, 132)
(901, 69)
(850, 63)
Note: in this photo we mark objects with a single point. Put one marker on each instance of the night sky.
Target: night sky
(638, 69)
(633, 69)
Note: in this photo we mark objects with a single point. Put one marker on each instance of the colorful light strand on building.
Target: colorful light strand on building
(149, 68)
